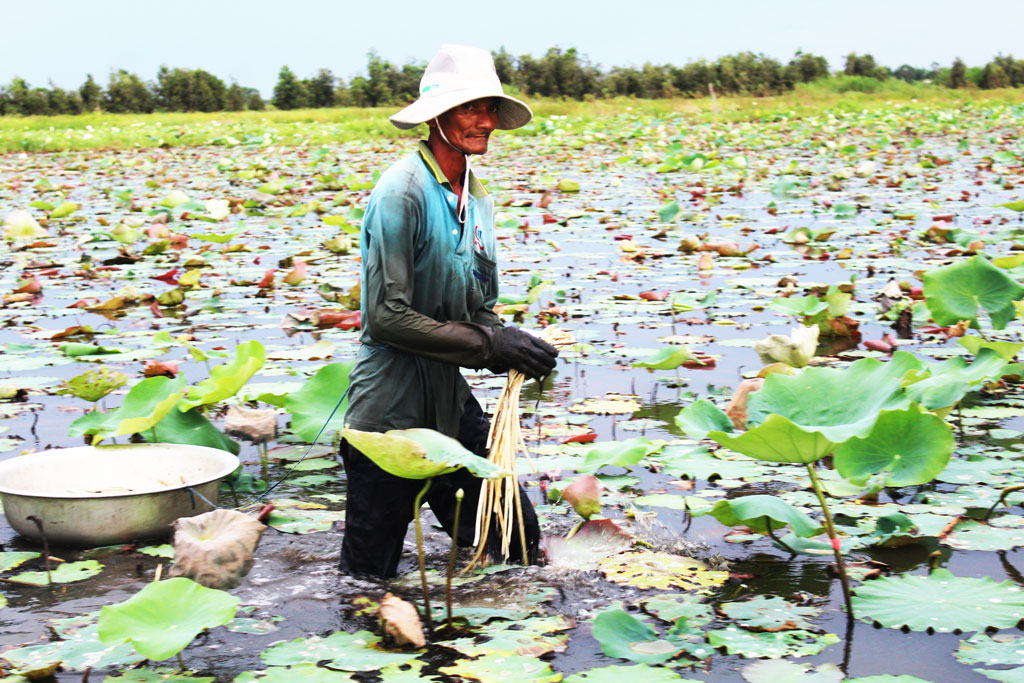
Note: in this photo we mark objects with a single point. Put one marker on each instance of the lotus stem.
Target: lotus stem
(264, 460)
(181, 663)
(771, 534)
(46, 546)
(423, 564)
(451, 557)
(836, 548)
(1002, 498)
(933, 561)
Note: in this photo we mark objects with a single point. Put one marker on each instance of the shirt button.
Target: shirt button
(455, 232)
(451, 199)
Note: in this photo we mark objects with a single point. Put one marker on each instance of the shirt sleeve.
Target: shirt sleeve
(389, 264)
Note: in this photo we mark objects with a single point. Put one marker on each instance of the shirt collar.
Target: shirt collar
(476, 188)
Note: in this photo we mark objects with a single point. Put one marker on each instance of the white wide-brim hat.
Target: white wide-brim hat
(458, 74)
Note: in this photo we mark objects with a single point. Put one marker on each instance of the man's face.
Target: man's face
(469, 125)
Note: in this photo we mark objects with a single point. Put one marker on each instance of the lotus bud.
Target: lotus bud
(584, 494)
(20, 225)
(297, 274)
(796, 349)
(129, 293)
(218, 209)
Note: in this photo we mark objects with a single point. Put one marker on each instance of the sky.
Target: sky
(249, 40)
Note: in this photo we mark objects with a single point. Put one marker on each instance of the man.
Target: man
(429, 285)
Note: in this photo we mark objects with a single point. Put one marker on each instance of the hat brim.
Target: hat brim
(512, 113)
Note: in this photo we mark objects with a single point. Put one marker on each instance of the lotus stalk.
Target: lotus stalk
(459, 495)
(423, 564)
(830, 529)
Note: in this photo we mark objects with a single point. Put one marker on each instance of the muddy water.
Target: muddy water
(295, 576)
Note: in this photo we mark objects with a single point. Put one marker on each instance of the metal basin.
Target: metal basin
(104, 495)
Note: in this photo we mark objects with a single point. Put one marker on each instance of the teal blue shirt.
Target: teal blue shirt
(429, 285)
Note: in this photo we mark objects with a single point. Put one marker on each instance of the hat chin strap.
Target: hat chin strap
(463, 209)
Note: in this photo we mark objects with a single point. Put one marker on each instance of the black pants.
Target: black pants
(380, 506)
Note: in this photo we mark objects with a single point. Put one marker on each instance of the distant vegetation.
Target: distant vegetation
(559, 73)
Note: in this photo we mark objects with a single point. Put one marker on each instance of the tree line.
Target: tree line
(558, 73)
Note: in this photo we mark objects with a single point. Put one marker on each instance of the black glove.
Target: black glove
(522, 351)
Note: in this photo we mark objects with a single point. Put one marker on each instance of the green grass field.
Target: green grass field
(333, 126)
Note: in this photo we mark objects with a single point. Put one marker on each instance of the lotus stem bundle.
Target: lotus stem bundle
(499, 499)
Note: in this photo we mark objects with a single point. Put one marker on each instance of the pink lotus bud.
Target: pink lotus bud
(584, 494)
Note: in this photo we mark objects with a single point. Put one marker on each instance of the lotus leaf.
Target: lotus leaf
(624, 636)
(637, 673)
(619, 453)
(755, 512)
(10, 559)
(769, 613)
(357, 651)
(78, 652)
(1007, 675)
(21, 226)
(192, 428)
(799, 306)
(611, 404)
(992, 650)
(163, 618)
(93, 385)
(1006, 350)
(77, 349)
(419, 453)
(671, 606)
(144, 406)
(645, 569)
(311, 405)
(293, 517)
(911, 446)
(162, 675)
(66, 572)
(773, 645)
(942, 385)
(939, 601)
(1002, 533)
(956, 292)
(510, 668)
(532, 637)
(666, 358)
(782, 671)
(300, 673)
(225, 380)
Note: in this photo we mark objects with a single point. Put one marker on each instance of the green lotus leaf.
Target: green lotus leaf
(66, 572)
(755, 512)
(518, 668)
(1006, 675)
(702, 417)
(419, 453)
(1006, 350)
(311, 405)
(300, 673)
(76, 349)
(1003, 533)
(532, 636)
(165, 616)
(357, 651)
(939, 601)
(668, 211)
(175, 198)
(666, 358)
(769, 613)
(217, 238)
(93, 385)
(10, 559)
(192, 428)
(144, 406)
(782, 671)
(225, 380)
(942, 385)
(837, 404)
(799, 306)
(670, 606)
(911, 445)
(774, 645)
(64, 210)
(79, 651)
(623, 635)
(956, 292)
(162, 675)
(619, 453)
(636, 673)
(777, 439)
(1012, 206)
(1001, 649)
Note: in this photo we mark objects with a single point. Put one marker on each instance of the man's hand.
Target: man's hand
(518, 350)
